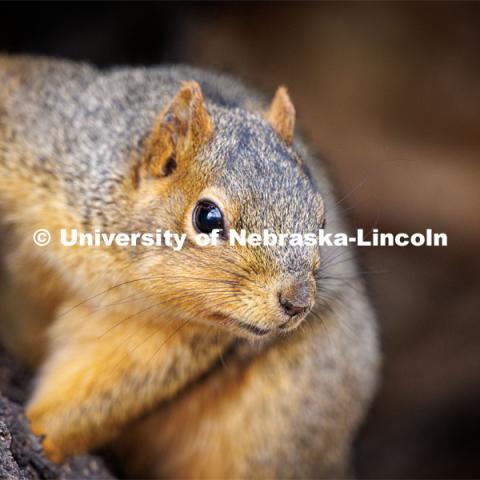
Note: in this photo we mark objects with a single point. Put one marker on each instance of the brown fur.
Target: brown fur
(281, 115)
(131, 342)
(180, 131)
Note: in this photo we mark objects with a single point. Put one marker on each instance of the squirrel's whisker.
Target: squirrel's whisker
(128, 282)
(168, 299)
(109, 289)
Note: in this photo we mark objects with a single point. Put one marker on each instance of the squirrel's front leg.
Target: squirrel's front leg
(103, 371)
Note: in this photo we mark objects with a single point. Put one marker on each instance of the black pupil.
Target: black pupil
(207, 217)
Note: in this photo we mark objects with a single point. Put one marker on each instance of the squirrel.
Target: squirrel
(208, 362)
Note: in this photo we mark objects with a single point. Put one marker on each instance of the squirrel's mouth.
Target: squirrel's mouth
(252, 329)
(259, 332)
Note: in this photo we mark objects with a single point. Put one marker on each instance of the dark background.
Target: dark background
(390, 94)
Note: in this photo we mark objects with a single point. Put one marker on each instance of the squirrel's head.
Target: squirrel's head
(207, 167)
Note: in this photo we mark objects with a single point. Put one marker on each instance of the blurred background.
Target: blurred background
(389, 93)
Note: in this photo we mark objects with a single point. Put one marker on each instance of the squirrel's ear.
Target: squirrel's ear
(181, 129)
(281, 115)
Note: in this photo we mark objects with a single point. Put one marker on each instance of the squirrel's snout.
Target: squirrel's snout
(291, 309)
(297, 297)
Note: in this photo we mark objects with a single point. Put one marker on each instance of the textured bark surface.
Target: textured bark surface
(21, 456)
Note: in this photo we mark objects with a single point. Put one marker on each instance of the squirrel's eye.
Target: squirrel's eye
(207, 217)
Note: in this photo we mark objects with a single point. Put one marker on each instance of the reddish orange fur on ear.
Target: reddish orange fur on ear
(281, 115)
(181, 129)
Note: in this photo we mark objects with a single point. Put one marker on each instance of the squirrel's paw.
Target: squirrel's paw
(50, 449)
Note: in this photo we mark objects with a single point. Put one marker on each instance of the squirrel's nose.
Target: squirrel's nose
(290, 309)
(297, 297)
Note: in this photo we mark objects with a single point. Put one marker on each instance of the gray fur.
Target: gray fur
(95, 127)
